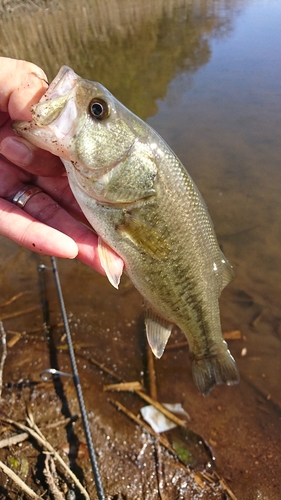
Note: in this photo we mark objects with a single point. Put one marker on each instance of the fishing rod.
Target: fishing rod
(77, 384)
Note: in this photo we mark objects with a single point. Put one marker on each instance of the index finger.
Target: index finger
(22, 84)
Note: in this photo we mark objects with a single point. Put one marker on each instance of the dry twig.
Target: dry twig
(19, 438)
(225, 487)
(4, 354)
(20, 313)
(64, 421)
(123, 386)
(163, 409)
(145, 426)
(232, 335)
(12, 299)
(144, 396)
(10, 441)
(105, 369)
(37, 434)
(50, 474)
(160, 439)
(151, 374)
(11, 474)
(159, 469)
(178, 345)
(15, 338)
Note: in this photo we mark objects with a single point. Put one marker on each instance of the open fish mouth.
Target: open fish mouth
(56, 114)
(59, 97)
(62, 84)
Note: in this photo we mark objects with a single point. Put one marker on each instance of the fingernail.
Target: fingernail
(16, 151)
(40, 74)
(33, 77)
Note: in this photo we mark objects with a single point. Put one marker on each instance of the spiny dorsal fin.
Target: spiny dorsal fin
(158, 331)
(111, 263)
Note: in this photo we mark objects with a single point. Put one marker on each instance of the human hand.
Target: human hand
(51, 221)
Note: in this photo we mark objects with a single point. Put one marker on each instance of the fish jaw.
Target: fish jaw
(55, 118)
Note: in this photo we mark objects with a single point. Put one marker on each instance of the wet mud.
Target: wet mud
(239, 425)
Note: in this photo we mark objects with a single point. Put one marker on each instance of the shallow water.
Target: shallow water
(207, 76)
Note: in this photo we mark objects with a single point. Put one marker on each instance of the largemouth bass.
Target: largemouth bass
(145, 207)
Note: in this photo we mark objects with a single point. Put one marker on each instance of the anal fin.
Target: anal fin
(158, 331)
(111, 263)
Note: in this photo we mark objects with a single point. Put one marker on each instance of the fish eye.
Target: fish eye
(99, 109)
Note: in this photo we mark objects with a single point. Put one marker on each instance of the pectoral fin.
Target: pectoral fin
(158, 331)
(111, 263)
(145, 237)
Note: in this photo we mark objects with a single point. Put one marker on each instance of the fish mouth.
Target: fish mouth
(62, 84)
(55, 115)
(57, 100)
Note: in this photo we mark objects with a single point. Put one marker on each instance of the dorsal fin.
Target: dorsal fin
(158, 331)
(111, 263)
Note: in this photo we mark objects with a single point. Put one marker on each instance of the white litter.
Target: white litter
(157, 420)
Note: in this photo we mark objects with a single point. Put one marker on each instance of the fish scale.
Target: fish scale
(144, 207)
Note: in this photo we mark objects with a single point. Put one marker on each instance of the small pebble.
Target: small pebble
(71, 495)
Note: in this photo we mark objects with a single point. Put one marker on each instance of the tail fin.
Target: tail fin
(217, 369)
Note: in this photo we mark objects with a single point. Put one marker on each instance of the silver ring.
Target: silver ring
(23, 196)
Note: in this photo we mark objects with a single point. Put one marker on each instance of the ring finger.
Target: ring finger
(42, 224)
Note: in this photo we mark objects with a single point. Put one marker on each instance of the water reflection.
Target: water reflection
(135, 48)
